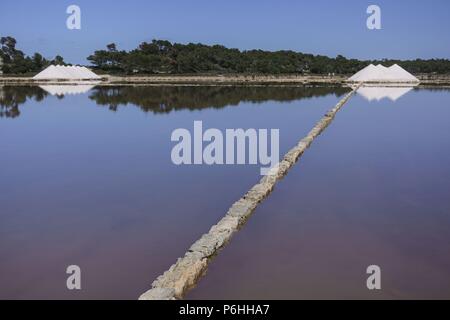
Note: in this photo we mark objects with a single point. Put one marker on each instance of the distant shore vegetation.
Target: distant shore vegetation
(164, 57)
(14, 61)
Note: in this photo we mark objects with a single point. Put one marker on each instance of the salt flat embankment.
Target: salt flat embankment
(425, 79)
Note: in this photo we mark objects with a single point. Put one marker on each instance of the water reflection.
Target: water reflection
(372, 190)
(83, 185)
(62, 90)
(161, 99)
(372, 93)
(12, 97)
(170, 98)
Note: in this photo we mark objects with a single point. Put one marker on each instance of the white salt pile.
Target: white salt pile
(379, 73)
(66, 73)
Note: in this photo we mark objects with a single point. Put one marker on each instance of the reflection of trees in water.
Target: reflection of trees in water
(12, 97)
(169, 98)
(432, 89)
(163, 99)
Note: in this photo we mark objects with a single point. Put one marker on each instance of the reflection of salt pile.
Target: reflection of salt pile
(66, 73)
(378, 93)
(379, 73)
(62, 90)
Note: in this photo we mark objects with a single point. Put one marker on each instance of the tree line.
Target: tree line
(14, 61)
(164, 57)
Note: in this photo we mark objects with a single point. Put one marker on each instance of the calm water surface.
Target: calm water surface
(87, 179)
(373, 189)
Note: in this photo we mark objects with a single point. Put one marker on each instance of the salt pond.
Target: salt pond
(88, 180)
(372, 190)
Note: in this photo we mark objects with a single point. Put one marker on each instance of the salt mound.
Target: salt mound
(66, 73)
(364, 73)
(379, 73)
(398, 72)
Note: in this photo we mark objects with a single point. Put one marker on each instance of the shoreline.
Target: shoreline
(425, 80)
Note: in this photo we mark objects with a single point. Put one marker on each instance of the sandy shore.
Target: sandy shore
(439, 80)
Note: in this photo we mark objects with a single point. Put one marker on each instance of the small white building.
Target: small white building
(66, 73)
(381, 74)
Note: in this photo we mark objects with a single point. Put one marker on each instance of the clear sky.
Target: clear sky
(410, 29)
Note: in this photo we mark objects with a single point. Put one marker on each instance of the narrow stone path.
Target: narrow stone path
(187, 270)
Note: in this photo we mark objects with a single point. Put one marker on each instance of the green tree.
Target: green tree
(161, 56)
(58, 60)
(15, 61)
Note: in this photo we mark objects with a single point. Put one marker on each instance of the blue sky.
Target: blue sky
(410, 29)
